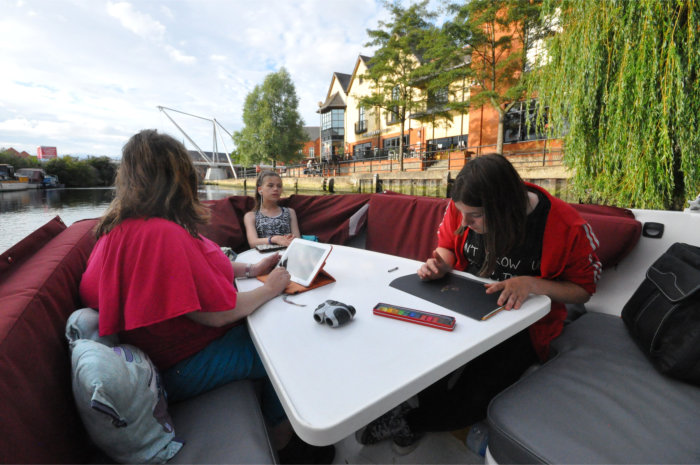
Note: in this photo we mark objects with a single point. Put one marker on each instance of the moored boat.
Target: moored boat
(9, 181)
(35, 177)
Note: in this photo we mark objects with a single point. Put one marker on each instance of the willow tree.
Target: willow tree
(622, 82)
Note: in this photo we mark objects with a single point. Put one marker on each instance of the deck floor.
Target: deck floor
(433, 448)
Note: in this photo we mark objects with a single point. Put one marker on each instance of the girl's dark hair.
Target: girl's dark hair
(261, 178)
(491, 182)
(156, 179)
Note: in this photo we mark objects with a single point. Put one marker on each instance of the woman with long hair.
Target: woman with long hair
(528, 242)
(166, 289)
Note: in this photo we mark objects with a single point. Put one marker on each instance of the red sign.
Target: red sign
(46, 152)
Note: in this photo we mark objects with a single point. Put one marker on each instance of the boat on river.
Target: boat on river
(598, 399)
(9, 181)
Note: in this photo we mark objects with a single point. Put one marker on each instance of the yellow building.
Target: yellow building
(371, 133)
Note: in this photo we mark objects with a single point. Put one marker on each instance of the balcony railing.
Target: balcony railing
(375, 160)
(361, 127)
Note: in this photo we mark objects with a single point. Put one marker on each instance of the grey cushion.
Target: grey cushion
(222, 426)
(598, 401)
(122, 403)
(84, 324)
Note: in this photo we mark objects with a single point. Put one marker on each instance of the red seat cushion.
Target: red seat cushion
(404, 225)
(38, 419)
(226, 226)
(616, 229)
(15, 255)
(326, 216)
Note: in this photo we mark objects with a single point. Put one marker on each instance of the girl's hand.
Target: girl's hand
(285, 240)
(277, 280)
(514, 291)
(265, 265)
(435, 267)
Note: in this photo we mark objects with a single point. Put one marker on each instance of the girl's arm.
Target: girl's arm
(295, 223)
(246, 302)
(438, 265)
(250, 231)
(288, 238)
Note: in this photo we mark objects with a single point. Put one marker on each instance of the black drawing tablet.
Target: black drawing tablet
(457, 293)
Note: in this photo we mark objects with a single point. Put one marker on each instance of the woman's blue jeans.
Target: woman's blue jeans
(230, 358)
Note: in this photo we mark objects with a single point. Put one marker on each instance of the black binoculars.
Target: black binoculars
(334, 313)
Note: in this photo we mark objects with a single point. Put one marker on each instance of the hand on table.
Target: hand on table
(514, 291)
(282, 240)
(435, 267)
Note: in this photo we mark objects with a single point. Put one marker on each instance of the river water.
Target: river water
(22, 212)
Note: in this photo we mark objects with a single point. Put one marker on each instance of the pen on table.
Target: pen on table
(392, 269)
(492, 313)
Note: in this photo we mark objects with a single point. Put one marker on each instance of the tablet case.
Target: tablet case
(457, 293)
(322, 278)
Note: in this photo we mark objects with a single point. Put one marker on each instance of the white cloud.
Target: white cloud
(178, 56)
(138, 23)
(84, 75)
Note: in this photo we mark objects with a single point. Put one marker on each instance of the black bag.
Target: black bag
(663, 315)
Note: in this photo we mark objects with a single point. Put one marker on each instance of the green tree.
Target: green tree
(394, 68)
(73, 172)
(624, 79)
(106, 170)
(19, 162)
(274, 130)
(445, 76)
(496, 34)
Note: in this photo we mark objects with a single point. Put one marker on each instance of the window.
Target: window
(333, 125)
(394, 142)
(520, 123)
(360, 151)
(312, 152)
(445, 143)
(437, 98)
(392, 115)
(361, 125)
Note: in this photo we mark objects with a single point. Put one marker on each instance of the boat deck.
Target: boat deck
(433, 448)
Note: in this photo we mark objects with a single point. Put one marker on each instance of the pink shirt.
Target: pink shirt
(145, 275)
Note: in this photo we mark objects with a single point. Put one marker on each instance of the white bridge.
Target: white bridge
(216, 161)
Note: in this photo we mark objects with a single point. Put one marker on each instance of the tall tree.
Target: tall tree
(445, 76)
(624, 79)
(274, 130)
(497, 35)
(393, 68)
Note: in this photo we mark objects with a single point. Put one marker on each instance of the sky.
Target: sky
(85, 75)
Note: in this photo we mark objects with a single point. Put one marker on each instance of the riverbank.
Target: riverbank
(430, 183)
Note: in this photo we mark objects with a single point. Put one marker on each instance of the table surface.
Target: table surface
(333, 381)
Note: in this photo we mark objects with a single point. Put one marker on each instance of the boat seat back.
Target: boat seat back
(40, 423)
(404, 225)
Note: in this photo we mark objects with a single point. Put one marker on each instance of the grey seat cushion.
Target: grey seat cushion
(222, 426)
(599, 400)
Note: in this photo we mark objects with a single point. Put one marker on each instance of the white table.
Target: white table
(333, 381)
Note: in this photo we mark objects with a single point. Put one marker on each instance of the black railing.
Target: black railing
(377, 158)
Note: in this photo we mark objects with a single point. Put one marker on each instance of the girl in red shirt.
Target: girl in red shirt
(499, 227)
